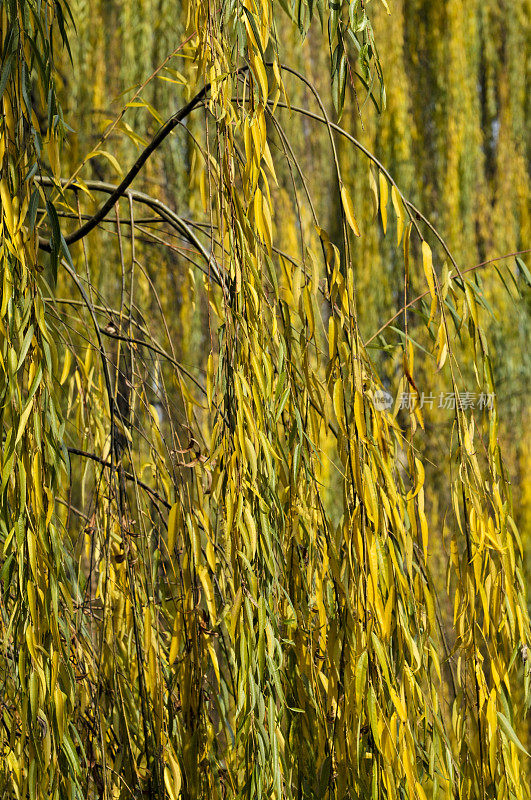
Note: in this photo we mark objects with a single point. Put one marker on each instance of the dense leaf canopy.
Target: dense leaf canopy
(264, 343)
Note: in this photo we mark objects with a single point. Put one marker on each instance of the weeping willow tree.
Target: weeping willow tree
(224, 570)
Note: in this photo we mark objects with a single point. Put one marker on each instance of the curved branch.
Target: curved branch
(424, 294)
(159, 137)
(166, 214)
(74, 451)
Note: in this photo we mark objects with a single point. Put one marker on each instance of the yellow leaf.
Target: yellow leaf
(421, 794)
(419, 483)
(204, 577)
(109, 156)
(374, 192)
(372, 713)
(268, 225)
(235, 613)
(261, 636)
(262, 217)
(261, 74)
(210, 379)
(66, 366)
(269, 161)
(510, 733)
(251, 456)
(338, 401)
(361, 675)
(53, 154)
(399, 704)
(32, 601)
(332, 337)
(7, 207)
(37, 481)
(383, 199)
(215, 663)
(59, 701)
(369, 497)
(23, 419)
(492, 718)
(349, 211)
(173, 520)
(442, 346)
(399, 211)
(175, 641)
(248, 141)
(423, 526)
(359, 415)
(251, 529)
(471, 303)
(147, 628)
(172, 778)
(427, 263)
(308, 308)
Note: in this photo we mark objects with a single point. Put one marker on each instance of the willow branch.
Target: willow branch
(159, 137)
(166, 214)
(424, 294)
(128, 475)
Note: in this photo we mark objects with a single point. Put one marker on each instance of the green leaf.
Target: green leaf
(55, 240)
(23, 419)
(5, 74)
(523, 269)
(509, 731)
(25, 346)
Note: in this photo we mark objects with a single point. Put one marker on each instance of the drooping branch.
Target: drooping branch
(426, 293)
(74, 451)
(159, 137)
(165, 213)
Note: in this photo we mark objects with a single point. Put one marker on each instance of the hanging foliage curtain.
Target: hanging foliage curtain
(228, 566)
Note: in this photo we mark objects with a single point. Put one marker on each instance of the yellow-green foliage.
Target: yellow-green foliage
(226, 570)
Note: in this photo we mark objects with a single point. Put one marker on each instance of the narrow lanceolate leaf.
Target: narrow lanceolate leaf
(210, 379)
(359, 414)
(349, 211)
(384, 194)
(427, 264)
(399, 211)
(510, 733)
(23, 421)
(442, 346)
(173, 521)
(339, 404)
(66, 366)
(523, 270)
(374, 191)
